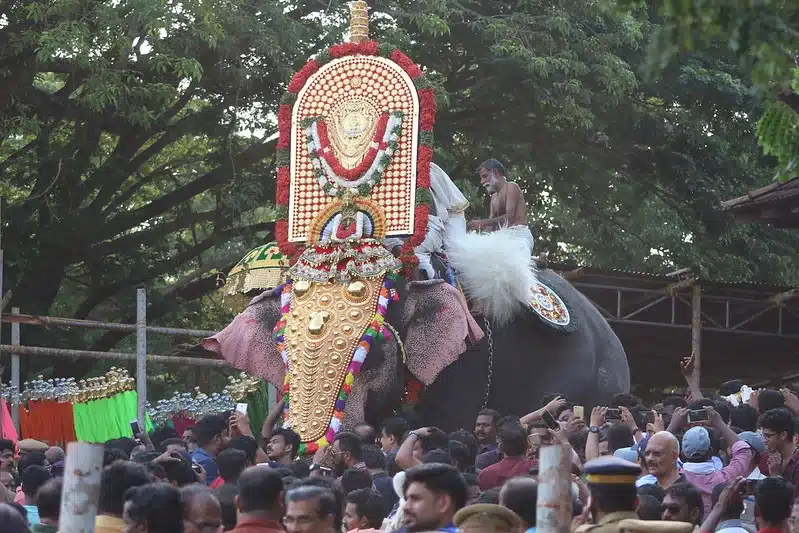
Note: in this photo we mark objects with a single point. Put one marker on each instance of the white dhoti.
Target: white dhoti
(450, 204)
(448, 222)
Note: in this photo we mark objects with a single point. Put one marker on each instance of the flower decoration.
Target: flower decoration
(332, 177)
(375, 330)
(427, 116)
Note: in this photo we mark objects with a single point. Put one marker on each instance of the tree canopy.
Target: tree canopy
(136, 143)
(764, 37)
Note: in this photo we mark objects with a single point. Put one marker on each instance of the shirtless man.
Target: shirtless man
(507, 201)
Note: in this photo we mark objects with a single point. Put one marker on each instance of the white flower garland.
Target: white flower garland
(336, 186)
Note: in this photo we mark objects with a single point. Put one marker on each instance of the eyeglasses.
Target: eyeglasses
(207, 526)
(769, 435)
(298, 521)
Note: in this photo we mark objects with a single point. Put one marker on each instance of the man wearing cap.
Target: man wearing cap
(755, 441)
(613, 496)
(483, 517)
(31, 445)
(699, 469)
(614, 499)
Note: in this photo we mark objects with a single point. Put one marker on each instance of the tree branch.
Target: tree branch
(131, 219)
(102, 293)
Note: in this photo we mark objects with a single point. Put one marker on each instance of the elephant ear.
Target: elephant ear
(247, 342)
(438, 324)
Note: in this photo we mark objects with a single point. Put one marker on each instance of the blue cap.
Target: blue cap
(754, 440)
(696, 443)
(628, 454)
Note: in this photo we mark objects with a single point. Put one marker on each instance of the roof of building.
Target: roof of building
(776, 204)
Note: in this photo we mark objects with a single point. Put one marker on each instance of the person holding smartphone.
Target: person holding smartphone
(698, 468)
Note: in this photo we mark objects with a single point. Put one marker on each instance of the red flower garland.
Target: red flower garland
(407, 64)
(428, 107)
(424, 159)
(301, 77)
(284, 127)
(427, 117)
(363, 166)
(282, 186)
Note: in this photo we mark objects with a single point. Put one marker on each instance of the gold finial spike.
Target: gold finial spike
(359, 21)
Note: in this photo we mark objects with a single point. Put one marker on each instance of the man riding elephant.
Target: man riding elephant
(508, 207)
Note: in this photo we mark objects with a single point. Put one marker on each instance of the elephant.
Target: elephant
(528, 360)
(507, 368)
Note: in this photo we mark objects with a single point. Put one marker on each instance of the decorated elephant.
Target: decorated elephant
(362, 212)
(444, 348)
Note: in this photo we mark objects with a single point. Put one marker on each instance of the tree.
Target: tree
(121, 158)
(623, 170)
(764, 37)
(127, 156)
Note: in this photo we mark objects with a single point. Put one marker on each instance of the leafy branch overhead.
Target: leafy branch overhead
(136, 140)
(764, 37)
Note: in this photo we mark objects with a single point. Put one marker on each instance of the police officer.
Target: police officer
(614, 499)
(613, 496)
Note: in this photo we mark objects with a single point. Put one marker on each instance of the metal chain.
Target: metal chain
(490, 376)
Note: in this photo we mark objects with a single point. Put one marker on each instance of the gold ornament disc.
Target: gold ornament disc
(322, 333)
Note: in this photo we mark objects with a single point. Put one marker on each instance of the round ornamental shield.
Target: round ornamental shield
(550, 308)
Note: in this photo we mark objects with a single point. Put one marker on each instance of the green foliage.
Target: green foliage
(764, 38)
(778, 134)
(133, 151)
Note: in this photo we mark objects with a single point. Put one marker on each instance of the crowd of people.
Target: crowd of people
(697, 464)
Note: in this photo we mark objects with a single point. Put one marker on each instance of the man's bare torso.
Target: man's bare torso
(515, 210)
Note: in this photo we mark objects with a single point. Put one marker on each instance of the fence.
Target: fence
(140, 356)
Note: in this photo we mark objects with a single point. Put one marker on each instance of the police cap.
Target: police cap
(611, 471)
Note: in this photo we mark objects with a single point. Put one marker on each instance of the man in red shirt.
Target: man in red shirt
(513, 444)
(260, 501)
(783, 455)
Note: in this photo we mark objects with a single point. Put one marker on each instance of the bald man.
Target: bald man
(661, 455)
(54, 454)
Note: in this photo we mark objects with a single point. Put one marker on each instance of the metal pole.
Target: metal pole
(34, 320)
(696, 330)
(37, 351)
(81, 492)
(141, 356)
(554, 505)
(15, 341)
(271, 395)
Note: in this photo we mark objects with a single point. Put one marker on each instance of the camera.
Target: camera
(697, 415)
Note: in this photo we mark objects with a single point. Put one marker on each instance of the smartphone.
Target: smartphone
(697, 415)
(241, 408)
(650, 417)
(579, 412)
(612, 414)
(134, 427)
(197, 468)
(550, 420)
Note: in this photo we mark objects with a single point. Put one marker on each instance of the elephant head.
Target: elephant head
(432, 321)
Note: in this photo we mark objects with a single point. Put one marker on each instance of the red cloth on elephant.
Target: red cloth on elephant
(439, 323)
(247, 345)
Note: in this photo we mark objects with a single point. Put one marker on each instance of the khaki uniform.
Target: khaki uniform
(609, 523)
